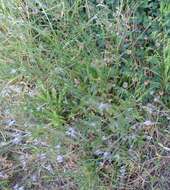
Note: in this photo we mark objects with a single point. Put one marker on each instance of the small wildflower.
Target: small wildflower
(107, 156)
(60, 159)
(49, 168)
(42, 156)
(39, 142)
(104, 106)
(10, 122)
(16, 187)
(21, 188)
(34, 177)
(122, 171)
(71, 132)
(17, 139)
(35, 11)
(149, 110)
(3, 175)
(122, 174)
(148, 123)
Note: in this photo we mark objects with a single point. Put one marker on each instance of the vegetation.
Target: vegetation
(85, 88)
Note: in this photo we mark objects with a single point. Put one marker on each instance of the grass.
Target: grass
(84, 95)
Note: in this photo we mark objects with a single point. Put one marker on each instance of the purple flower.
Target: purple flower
(71, 132)
(60, 159)
(104, 107)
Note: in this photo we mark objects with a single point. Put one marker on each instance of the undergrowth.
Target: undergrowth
(85, 88)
